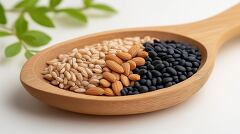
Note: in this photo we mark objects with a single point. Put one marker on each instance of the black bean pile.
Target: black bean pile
(168, 63)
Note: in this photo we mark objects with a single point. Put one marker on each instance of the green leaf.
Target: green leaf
(28, 54)
(4, 33)
(54, 3)
(35, 38)
(13, 49)
(87, 3)
(21, 25)
(3, 19)
(76, 14)
(103, 7)
(26, 4)
(40, 17)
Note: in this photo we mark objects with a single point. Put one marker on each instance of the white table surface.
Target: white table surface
(214, 109)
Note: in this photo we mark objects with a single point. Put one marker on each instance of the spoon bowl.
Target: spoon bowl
(207, 35)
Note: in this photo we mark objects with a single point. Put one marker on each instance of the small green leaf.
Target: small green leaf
(40, 17)
(26, 4)
(103, 7)
(54, 3)
(35, 38)
(87, 3)
(4, 33)
(3, 19)
(76, 14)
(13, 49)
(28, 54)
(21, 25)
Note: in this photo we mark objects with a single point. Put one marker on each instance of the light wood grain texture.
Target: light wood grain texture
(208, 35)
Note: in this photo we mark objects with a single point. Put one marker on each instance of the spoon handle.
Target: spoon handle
(213, 31)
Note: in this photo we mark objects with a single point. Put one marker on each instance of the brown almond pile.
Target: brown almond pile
(118, 71)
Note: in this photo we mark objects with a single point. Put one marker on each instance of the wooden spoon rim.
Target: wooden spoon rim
(40, 82)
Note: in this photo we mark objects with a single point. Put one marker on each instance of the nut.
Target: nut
(105, 83)
(134, 77)
(125, 81)
(124, 56)
(114, 66)
(142, 54)
(117, 75)
(134, 50)
(108, 92)
(139, 61)
(109, 76)
(126, 68)
(114, 58)
(117, 87)
(95, 91)
(132, 64)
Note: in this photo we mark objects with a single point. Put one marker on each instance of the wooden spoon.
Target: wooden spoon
(208, 35)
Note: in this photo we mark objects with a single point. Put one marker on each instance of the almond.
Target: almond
(125, 81)
(105, 83)
(117, 75)
(114, 66)
(142, 54)
(117, 87)
(126, 68)
(109, 76)
(134, 50)
(132, 64)
(114, 58)
(139, 61)
(134, 77)
(95, 91)
(108, 92)
(124, 56)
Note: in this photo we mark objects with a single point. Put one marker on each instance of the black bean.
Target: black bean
(156, 73)
(159, 67)
(142, 71)
(148, 83)
(143, 81)
(150, 67)
(168, 84)
(148, 59)
(196, 64)
(159, 80)
(152, 88)
(165, 63)
(154, 81)
(152, 54)
(124, 92)
(171, 71)
(182, 77)
(170, 51)
(189, 68)
(158, 49)
(188, 64)
(149, 75)
(156, 62)
(166, 75)
(143, 89)
(167, 79)
(160, 86)
(180, 68)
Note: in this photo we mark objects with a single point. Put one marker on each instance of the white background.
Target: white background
(214, 109)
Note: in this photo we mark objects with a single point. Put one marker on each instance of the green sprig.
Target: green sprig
(27, 38)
